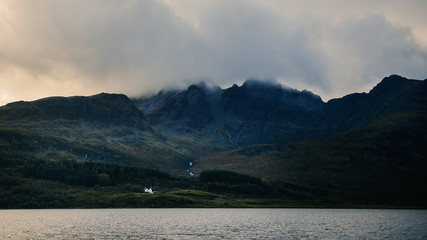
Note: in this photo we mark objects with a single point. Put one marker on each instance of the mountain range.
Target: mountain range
(364, 146)
(268, 113)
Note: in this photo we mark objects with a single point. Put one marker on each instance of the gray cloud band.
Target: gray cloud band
(136, 47)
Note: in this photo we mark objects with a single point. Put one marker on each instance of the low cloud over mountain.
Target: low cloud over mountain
(138, 47)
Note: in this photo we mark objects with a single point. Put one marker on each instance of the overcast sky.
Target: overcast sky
(331, 47)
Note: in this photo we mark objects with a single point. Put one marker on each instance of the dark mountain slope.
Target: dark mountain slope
(384, 161)
(104, 127)
(177, 111)
(254, 113)
(101, 109)
(392, 95)
(269, 113)
(190, 119)
(375, 149)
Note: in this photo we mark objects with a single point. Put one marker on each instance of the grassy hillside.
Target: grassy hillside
(384, 161)
(104, 127)
(26, 182)
(129, 147)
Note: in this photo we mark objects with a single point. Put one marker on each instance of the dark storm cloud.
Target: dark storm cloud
(137, 47)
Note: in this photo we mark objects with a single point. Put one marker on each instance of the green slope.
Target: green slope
(384, 161)
(104, 127)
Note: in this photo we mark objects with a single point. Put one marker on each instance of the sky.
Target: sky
(330, 47)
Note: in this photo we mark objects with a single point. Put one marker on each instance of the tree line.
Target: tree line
(88, 173)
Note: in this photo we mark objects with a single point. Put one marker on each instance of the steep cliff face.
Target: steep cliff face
(269, 113)
(253, 113)
(178, 111)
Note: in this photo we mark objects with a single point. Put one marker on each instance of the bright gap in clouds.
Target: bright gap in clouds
(332, 48)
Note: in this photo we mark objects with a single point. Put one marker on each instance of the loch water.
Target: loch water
(213, 224)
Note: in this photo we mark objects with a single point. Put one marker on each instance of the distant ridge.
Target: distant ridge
(101, 109)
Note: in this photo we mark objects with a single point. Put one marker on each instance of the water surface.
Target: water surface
(213, 224)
